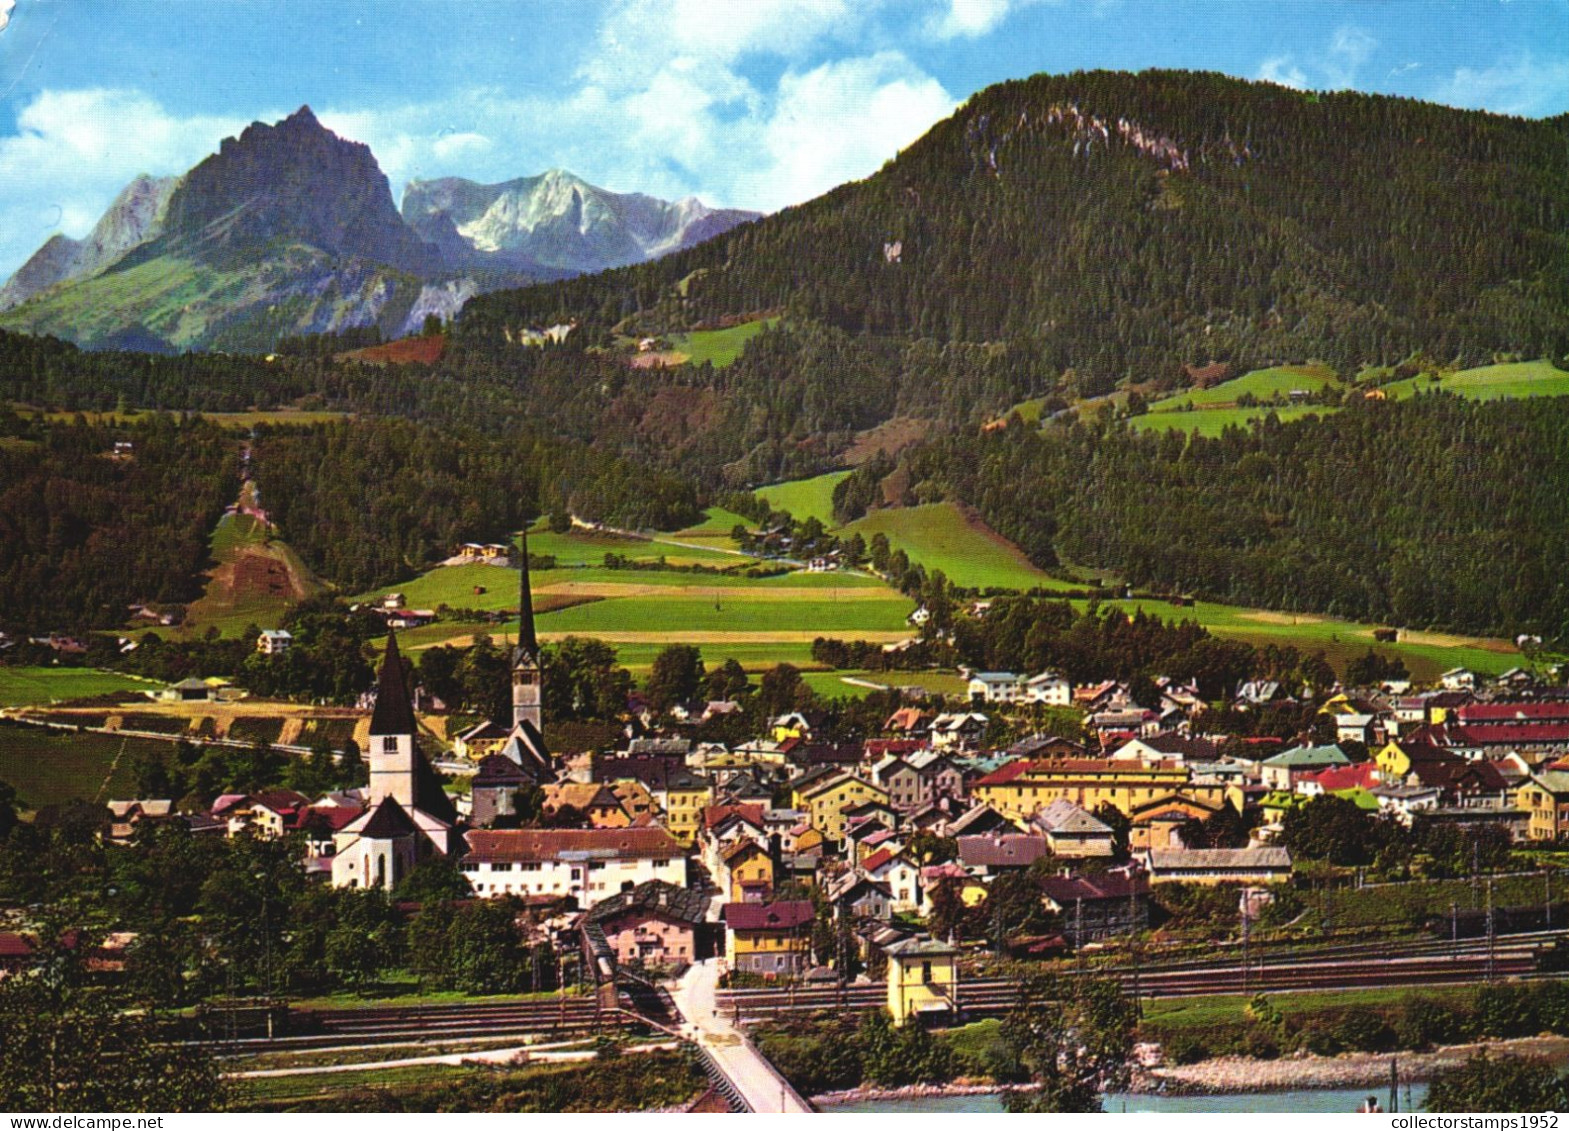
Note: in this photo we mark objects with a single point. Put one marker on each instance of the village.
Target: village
(668, 851)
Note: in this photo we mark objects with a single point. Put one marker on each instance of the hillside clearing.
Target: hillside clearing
(805, 498)
(942, 536)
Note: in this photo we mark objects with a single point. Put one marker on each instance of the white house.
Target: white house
(1049, 688)
(996, 687)
(274, 641)
(585, 864)
(1458, 679)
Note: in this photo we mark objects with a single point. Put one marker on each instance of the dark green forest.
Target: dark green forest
(1436, 512)
(85, 533)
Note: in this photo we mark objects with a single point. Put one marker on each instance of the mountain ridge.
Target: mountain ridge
(290, 229)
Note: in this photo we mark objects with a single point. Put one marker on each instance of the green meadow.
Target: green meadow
(25, 687)
(1214, 421)
(1264, 384)
(1426, 654)
(806, 498)
(49, 767)
(940, 536)
(1490, 382)
(719, 347)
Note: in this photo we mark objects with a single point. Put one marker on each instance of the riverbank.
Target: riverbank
(1240, 1074)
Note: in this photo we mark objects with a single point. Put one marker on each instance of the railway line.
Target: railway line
(993, 997)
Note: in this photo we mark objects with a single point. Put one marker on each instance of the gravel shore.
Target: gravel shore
(1233, 1074)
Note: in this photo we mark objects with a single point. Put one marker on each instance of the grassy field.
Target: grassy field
(23, 687)
(1426, 654)
(1214, 421)
(806, 498)
(1175, 1014)
(1261, 383)
(585, 547)
(49, 767)
(939, 536)
(1490, 382)
(719, 347)
(713, 531)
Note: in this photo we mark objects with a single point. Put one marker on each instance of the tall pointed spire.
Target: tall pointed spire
(528, 644)
(393, 713)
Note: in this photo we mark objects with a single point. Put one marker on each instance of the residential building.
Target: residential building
(656, 924)
(769, 938)
(274, 641)
(1000, 852)
(1072, 833)
(996, 687)
(826, 802)
(1267, 865)
(1020, 788)
(587, 865)
(1098, 907)
(923, 978)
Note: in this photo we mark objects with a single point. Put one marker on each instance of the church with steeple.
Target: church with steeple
(526, 744)
(408, 816)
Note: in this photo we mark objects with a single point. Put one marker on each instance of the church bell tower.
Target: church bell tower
(526, 688)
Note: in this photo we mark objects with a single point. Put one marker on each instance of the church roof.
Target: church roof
(388, 821)
(526, 747)
(429, 796)
(393, 714)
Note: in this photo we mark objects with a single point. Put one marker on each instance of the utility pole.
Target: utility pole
(1492, 933)
(1547, 902)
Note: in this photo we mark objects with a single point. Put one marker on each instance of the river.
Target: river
(1314, 1101)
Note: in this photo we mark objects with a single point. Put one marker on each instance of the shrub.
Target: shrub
(1423, 1024)
(1360, 1029)
(1184, 1048)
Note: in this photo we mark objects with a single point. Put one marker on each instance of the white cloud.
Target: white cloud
(5, 12)
(1349, 48)
(74, 150)
(1521, 85)
(968, 19)
(840, 122)
(1283, 71)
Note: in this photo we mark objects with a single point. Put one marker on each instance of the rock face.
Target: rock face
(136, 216)
(292, 182)
(555, 221)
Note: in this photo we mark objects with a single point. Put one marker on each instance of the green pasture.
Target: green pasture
(1490, 382)
(585, 547)
(49, 767)
(1213, 421)
(939, 536)
(1262, 383)
(730, 613)
(805, 498)
(719, 347)
(25, 687)
(1426, 656)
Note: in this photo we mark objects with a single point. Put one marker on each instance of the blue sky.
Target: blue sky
(748, 103)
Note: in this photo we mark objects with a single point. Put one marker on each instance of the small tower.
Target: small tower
(526, 688)
(392, 757)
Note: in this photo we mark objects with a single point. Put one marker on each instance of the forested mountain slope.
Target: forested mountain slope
(1125, 225)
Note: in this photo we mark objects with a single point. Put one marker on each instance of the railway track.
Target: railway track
(366, 1028)
(995, 997)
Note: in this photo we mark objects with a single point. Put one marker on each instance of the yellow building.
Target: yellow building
(769, 938)
(824, 802)
(748, 869)
(923, 979)
(685, 797)
(1020, 788)
(1545, 796)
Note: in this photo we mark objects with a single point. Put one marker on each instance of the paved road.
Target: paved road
(763, 1088)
